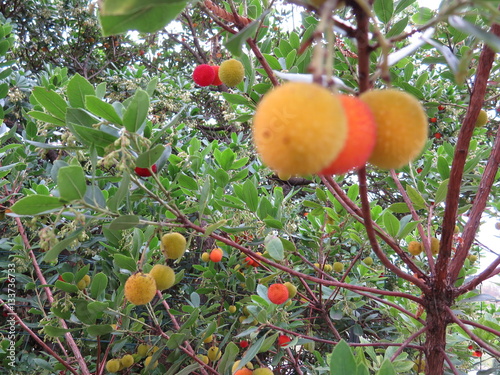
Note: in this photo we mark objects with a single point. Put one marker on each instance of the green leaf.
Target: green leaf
(403, 4)
(45, 117)
(187, 182)
(387, 368)
(422, 16)
(71, 183)
(81, 117)
(398, 28)
(193, 317)
(342, 360)
(441, 191)
(98, 285)
(147, 18)
(115, 201)
(234, 43)
(52, 331)
(250, 195)
(399, 208)
(36, 204)
(251, 352)
(383, 10)
(99, 330)
(275, 249)
(148, 158)
(67, 287)
(176, 340)
(137, 111)
(273, 62)
(235, 98)
(125, 262)
(51, 101)
(407, 228)
(443, 167)
(462, 24)
(91, 136)
(226, 362)
(391, 223)
(78, 87)
(102, 109)
(54, 252)
(124, 222)
(212, 227)
(417, 199)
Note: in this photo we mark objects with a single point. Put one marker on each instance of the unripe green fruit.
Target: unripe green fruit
(472, 258)
(143, 349)
(368, 261)
(327, 268)
(203, 358)
(113, 365)
(232, 309)
(86, 278)
(173, 245)
(205, 257)
(164, 276)
(147, 362)
(482, 118)
(292, 289)
(81, 285)
(231, 72)
(214, 353)
(127, 360)
(338, 267)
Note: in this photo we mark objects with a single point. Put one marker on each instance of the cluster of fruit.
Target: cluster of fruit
(303, 129)
(140, 288)
(128, 360)
(415, 247)
(231, 72)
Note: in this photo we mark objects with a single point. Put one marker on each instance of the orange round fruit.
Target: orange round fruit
(415, 248)
(361, 136)
(278, 293)
(140, 288)
(402, 127)
(299, 128)
(216, 255)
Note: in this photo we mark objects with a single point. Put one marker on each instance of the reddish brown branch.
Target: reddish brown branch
(225, 15)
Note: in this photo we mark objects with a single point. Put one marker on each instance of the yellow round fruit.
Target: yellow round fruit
(232, 309)
(164, 276)
(113, 365)
(368, 261)
(292, 289)
(262, 371)
(143, 349)
(127, 360)
(147, 362)
(415, 248)
(231, 72)
(482, 118)
(214, 353)
(140, 288)
(86, 278)
(328, 268)
(173, 245)
(203, 358)
(249, 365)
(472, 258)
(402, 127)
(338, 267)
(205, 257)
(81, 285)
(209, 339)
(299, 128)
(435, 245)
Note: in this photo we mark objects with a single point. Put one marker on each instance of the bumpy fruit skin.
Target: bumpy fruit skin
(214, 353)
(127, 360)
(203, 75)
(368, 261)
(292, 289)
(143, 349)
(338, 267)
(482, 118)
(278, 293)
(435, 245)
(361, 137)
(243, 371)
(205, 257)
(216, 255)
(237, 363)
(232, 309)
(140, 288)
(113, 365)
(415, 248)
(262, 371)
(173, 245)
(283, 340)
(144, 172)
(402, 127)
(203, 358)
(164, 276)
(299, 128)
(328, 268)
(216, 81)
(231, 72)
(147, 361)
(472, 258)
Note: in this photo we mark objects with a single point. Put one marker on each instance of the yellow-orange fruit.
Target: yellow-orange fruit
(402, 127)
(214, 353)
(203, 358)
(205, 257)
(299, 128)
(127, 360)
(435, 245)
(113, 365)
(216, 255)
(262, 371)
(231, 72)
(292, 289)
(86, 279)
(361, 137)
(232, 309)
(173, 245)
(147, 362)
(338, 267)
(164, 276)
(209, 339)
(237, 363)
(482, 119)
(140, 288)
(415, 248)
(243, 371)
(278, 293)
(81, 285)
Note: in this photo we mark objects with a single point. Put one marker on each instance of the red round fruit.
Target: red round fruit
(477, 353)
(283, 340)
(433, 120)
(277, 293)
(203, 75)
(441, 107)
(361, 137)
(216, 255)
(243, 344)
(216, 81)
(438, 135)
(145, 172)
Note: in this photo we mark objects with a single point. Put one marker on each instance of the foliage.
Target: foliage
(81, 111)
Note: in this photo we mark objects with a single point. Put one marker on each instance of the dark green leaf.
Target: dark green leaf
(124, 222)
(398, 28)
(417, 199)
(176, 340)
(71, 183)
(52, 331)
(342, 361)
(235, 98)
(36, 204)
(148, 158)
(187, 182)
(391, 223)
(387, 368)
(54, 252)
(78, 88)
(383, 10)
(250, 195)
(226, 362)
(99, 330)
(115, 201)
(443, 167)
(125, 262)
(67, 287)
(403, 4)
(441, 191)
(51, 101)
(98, 285)
(45, 117)
(102, 109)
(399, 208)
(137, 111)
(234, 43)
